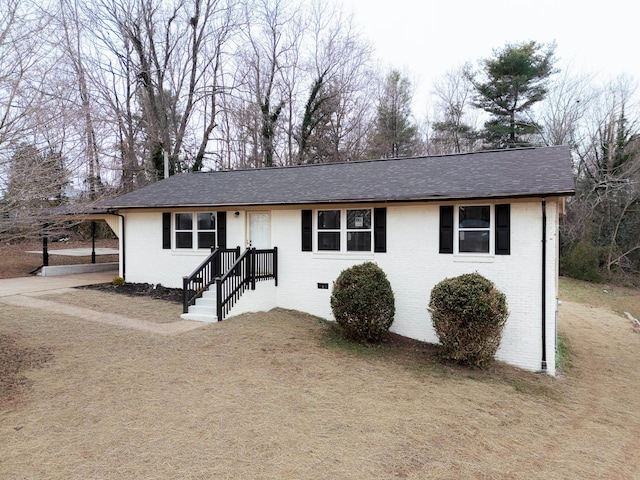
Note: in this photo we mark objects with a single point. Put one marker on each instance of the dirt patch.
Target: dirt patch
(15, 360)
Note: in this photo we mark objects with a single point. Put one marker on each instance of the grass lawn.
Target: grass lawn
(616, 298)
(276, 396)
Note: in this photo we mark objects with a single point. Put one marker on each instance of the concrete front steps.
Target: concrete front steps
(204, 309)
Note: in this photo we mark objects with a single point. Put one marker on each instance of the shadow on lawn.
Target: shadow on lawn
(424, 358)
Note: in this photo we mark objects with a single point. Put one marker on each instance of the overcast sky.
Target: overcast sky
(428, 38)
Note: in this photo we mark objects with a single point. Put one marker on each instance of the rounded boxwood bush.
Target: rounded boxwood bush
(362, 302)
(468, 313)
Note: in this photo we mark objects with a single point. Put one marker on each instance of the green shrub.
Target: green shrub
(117, 281)
(362, 302)
(582, 261)
(468, 314)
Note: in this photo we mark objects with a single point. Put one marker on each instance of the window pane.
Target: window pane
(206, 239)
(329, 241)
(328, 219)
(357, 219)
(184, 239)
(474, 241)
(474, 217)
(184, 221)
(206, 221)
(359, 241)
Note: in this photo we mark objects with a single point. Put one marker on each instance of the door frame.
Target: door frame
(258, 212)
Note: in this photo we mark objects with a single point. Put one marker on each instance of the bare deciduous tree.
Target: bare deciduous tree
(23, 70)
(562, 112)
(72, 28)
(267, 74)
(26, 59)
(176, 53)
(338, 112)
(604, 218)
(455, 129)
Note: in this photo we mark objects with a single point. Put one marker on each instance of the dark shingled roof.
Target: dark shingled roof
(521, 172)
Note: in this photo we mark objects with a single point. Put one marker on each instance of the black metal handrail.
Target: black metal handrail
(205, 274)
(250, 267)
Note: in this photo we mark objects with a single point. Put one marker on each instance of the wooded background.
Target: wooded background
(95, 94)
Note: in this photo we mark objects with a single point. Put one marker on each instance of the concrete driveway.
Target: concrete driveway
(34, 284)
(24, 292)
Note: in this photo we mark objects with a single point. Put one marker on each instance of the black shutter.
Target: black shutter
(446, 229)
(503, 229)
(307, 230)
(222, 229)
(166, 230)
(379, 229)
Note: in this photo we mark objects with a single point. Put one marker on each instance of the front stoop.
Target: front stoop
(204, 309)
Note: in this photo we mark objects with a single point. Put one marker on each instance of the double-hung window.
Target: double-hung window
(359, 230)
(354, 225)
(474, 229)
(195, 230)
(206, 229)
(477, 229)
(329, 230)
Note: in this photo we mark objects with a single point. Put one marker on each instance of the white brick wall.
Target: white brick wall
(412, 263)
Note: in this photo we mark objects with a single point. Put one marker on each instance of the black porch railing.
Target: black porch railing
(205, 274)
(250, 267)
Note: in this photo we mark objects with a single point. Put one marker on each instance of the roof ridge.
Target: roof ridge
(372, 160)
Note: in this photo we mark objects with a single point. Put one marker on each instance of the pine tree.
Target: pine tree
(395, 135)
(510, 84)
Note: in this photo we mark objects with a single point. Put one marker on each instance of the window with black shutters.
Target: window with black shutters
(195, 230)
(478, 229)
(345, 230)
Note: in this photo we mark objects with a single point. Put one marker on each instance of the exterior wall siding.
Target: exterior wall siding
(411, 262)
(147, 261)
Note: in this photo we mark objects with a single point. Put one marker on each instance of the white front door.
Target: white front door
(260, 230)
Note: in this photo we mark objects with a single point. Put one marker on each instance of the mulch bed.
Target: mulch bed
(147, 290)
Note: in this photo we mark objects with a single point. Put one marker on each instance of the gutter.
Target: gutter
(385, 200)
(124, 258)
(544, 285)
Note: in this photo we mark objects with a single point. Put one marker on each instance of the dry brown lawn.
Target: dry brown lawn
(159, 311)
(276, 396)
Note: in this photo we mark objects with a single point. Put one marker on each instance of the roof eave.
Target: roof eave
(431, 198)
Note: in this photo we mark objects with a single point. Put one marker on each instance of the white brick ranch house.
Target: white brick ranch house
(420, 219)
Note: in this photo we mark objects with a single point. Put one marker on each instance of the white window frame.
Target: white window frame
(319, 230)
(194, 231)
(458, 230)
(358, 230)
(343, 231)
